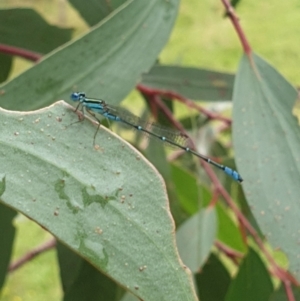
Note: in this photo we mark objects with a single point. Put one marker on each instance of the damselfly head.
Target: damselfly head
(77, 96)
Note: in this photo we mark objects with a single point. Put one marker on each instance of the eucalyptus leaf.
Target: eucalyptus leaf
(252, 282)
(37, 35)
(7, 236)
(193, 83)
(106, 62)
(195, 238)
(94, 11)
(106, 203)
(5, 63)
(267, 142)
(213, 272)
(82, 281)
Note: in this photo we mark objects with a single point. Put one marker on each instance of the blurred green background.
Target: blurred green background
(202, 37)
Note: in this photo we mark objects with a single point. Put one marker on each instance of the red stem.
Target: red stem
(278, 271)
(235, 21)
(230, 253)
(32, 254)
(170, 94)
(26, 54)
(289, 291)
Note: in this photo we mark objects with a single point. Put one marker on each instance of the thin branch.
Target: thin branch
(26, 54)
(277, 270)
(170, 94)
(32, 254)
(229, 252)
(235, 21)
(289, 291)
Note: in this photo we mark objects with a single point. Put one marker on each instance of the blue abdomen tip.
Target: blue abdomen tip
(234, 174)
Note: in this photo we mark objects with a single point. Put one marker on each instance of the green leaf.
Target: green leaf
(2, 185)
(192, 83)
(252, 281)
(37, 35)
(155, 153)
(94, 11)
(267, 143)
(195, 238)
(129, 297)
(5, 63)
(6, 237)
(108, 204)
(213, 272)
(281, 294)
(228, 232)
(189, 190)
(106, 62)
(246, 210)
(81, 281)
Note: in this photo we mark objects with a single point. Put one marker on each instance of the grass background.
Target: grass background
(202, 37)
